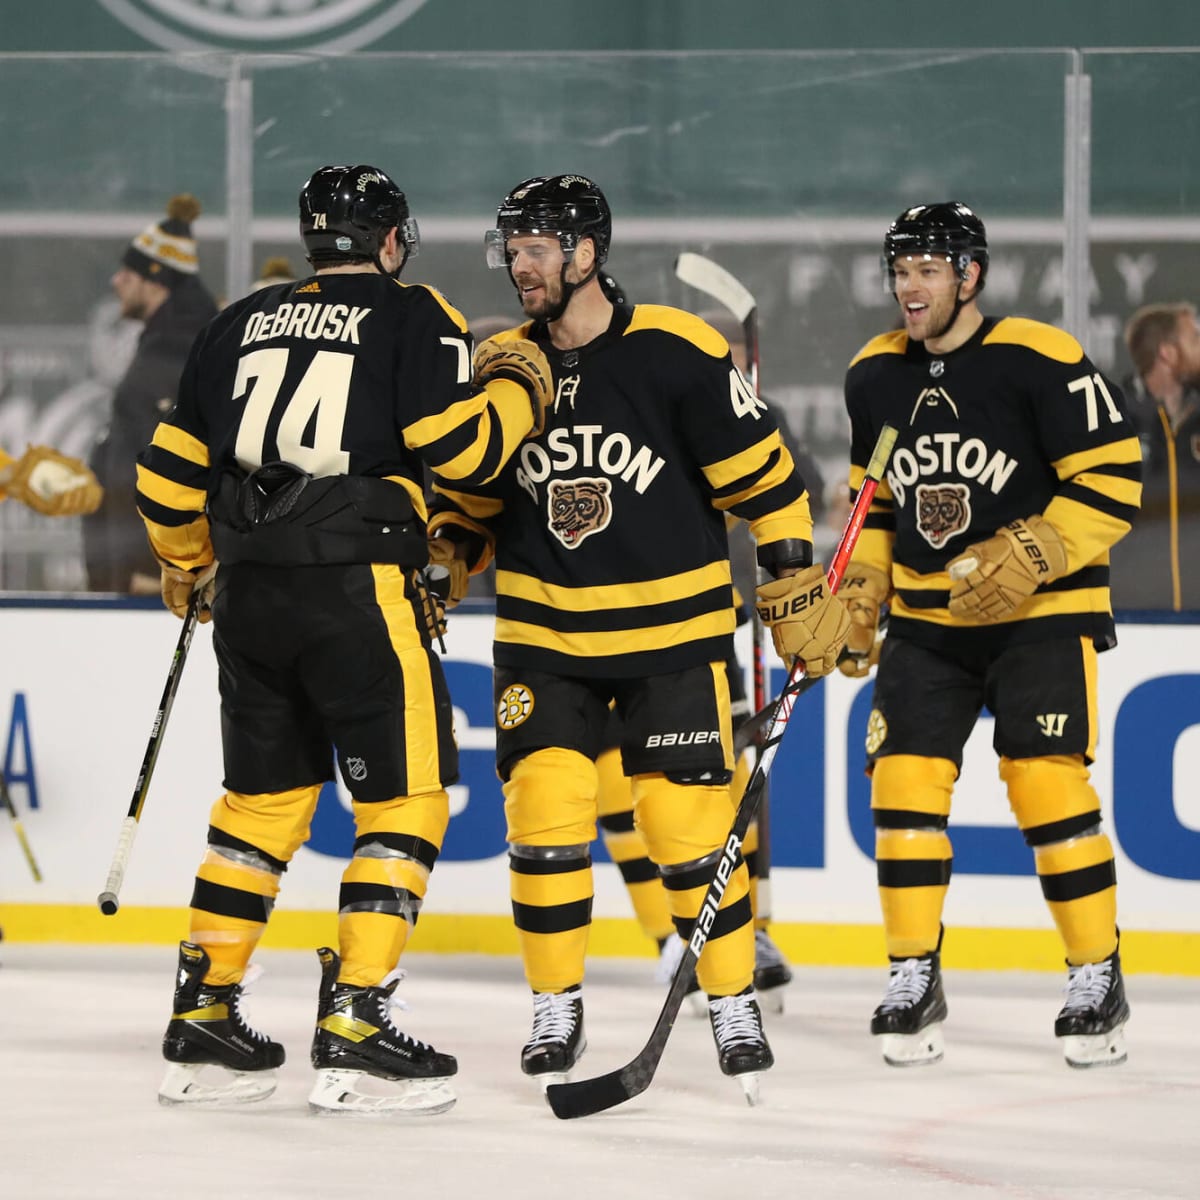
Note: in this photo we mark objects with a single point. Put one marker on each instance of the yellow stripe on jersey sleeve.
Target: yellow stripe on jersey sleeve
(187, 546)
(1041, 604)
(180, 443)
(168, 493)
(509, 400)
(793, 522)
(1087, 532)
(745, 463)
(1119, 453)
(614, 596)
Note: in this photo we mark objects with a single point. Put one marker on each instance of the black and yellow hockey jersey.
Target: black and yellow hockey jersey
(341, 374)
(1016, 421)
(608, 529)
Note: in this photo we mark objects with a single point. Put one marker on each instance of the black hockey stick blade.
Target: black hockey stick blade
(585, 1097)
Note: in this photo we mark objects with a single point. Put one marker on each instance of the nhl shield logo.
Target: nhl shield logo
(356, 768)
(937, 369)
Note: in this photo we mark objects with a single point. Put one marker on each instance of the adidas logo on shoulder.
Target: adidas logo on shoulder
(309, 287)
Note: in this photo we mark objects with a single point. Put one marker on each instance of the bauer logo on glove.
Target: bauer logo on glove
(807, 621)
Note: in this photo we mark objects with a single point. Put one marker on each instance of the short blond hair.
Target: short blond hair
(1149, 327)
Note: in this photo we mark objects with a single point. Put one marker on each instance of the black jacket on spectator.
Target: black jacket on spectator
(114, 537)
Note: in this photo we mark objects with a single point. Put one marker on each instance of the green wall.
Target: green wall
(482, 25)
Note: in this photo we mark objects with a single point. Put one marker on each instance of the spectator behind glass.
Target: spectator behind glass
(157, 283)
(1158, 564)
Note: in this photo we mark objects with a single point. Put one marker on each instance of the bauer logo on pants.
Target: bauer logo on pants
(516, 703)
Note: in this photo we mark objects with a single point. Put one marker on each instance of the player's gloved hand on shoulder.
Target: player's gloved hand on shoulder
(53, 484)
(178, 586)
(864, 591)
(806, 619)
(993, 578)
(447, 574)
(521, 362)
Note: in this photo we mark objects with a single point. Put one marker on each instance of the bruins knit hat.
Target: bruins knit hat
(166, 251)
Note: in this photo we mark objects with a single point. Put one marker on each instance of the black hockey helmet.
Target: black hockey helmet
(346, 212)
(948, 228)
(570, 206)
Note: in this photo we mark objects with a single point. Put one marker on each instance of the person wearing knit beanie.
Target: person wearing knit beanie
(161, 257)
(158, 283)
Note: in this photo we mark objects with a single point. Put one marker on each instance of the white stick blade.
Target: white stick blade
(713, 280)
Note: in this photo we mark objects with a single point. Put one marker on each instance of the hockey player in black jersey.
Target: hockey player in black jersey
(295, 457)
(1015, 471)
(613, 585)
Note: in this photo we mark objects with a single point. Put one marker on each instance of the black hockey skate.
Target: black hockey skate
(355, 1043)
(557, 1041)
(215, 1056)
(771, 972)
(1092, 1021)
(910, 1018)
(742, 1047)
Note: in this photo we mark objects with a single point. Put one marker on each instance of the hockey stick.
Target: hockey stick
(19, 830)
(714, 280)
(107, 900)
(587, 1096)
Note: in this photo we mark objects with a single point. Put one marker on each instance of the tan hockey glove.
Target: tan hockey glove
(523, 363)
(444, 564)
(865, 589)
(178, 585)
(807, 621)
(52, 484)
(993, 578)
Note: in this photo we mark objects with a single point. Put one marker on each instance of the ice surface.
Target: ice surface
(1002, 1116)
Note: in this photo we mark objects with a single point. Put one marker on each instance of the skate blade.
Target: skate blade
(1096, 1050)
(749, 1083)
(921, 1049)
(340, 1092)
(771, 999)
(546, 1078)
(210, 1083)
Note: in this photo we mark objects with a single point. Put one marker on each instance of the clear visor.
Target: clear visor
(887, 263)
(495, 244)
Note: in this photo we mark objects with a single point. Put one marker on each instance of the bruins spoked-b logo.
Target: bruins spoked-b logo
(264, 25)
(943, 509)
(877, 731)
(515, 707)
(578, 508)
